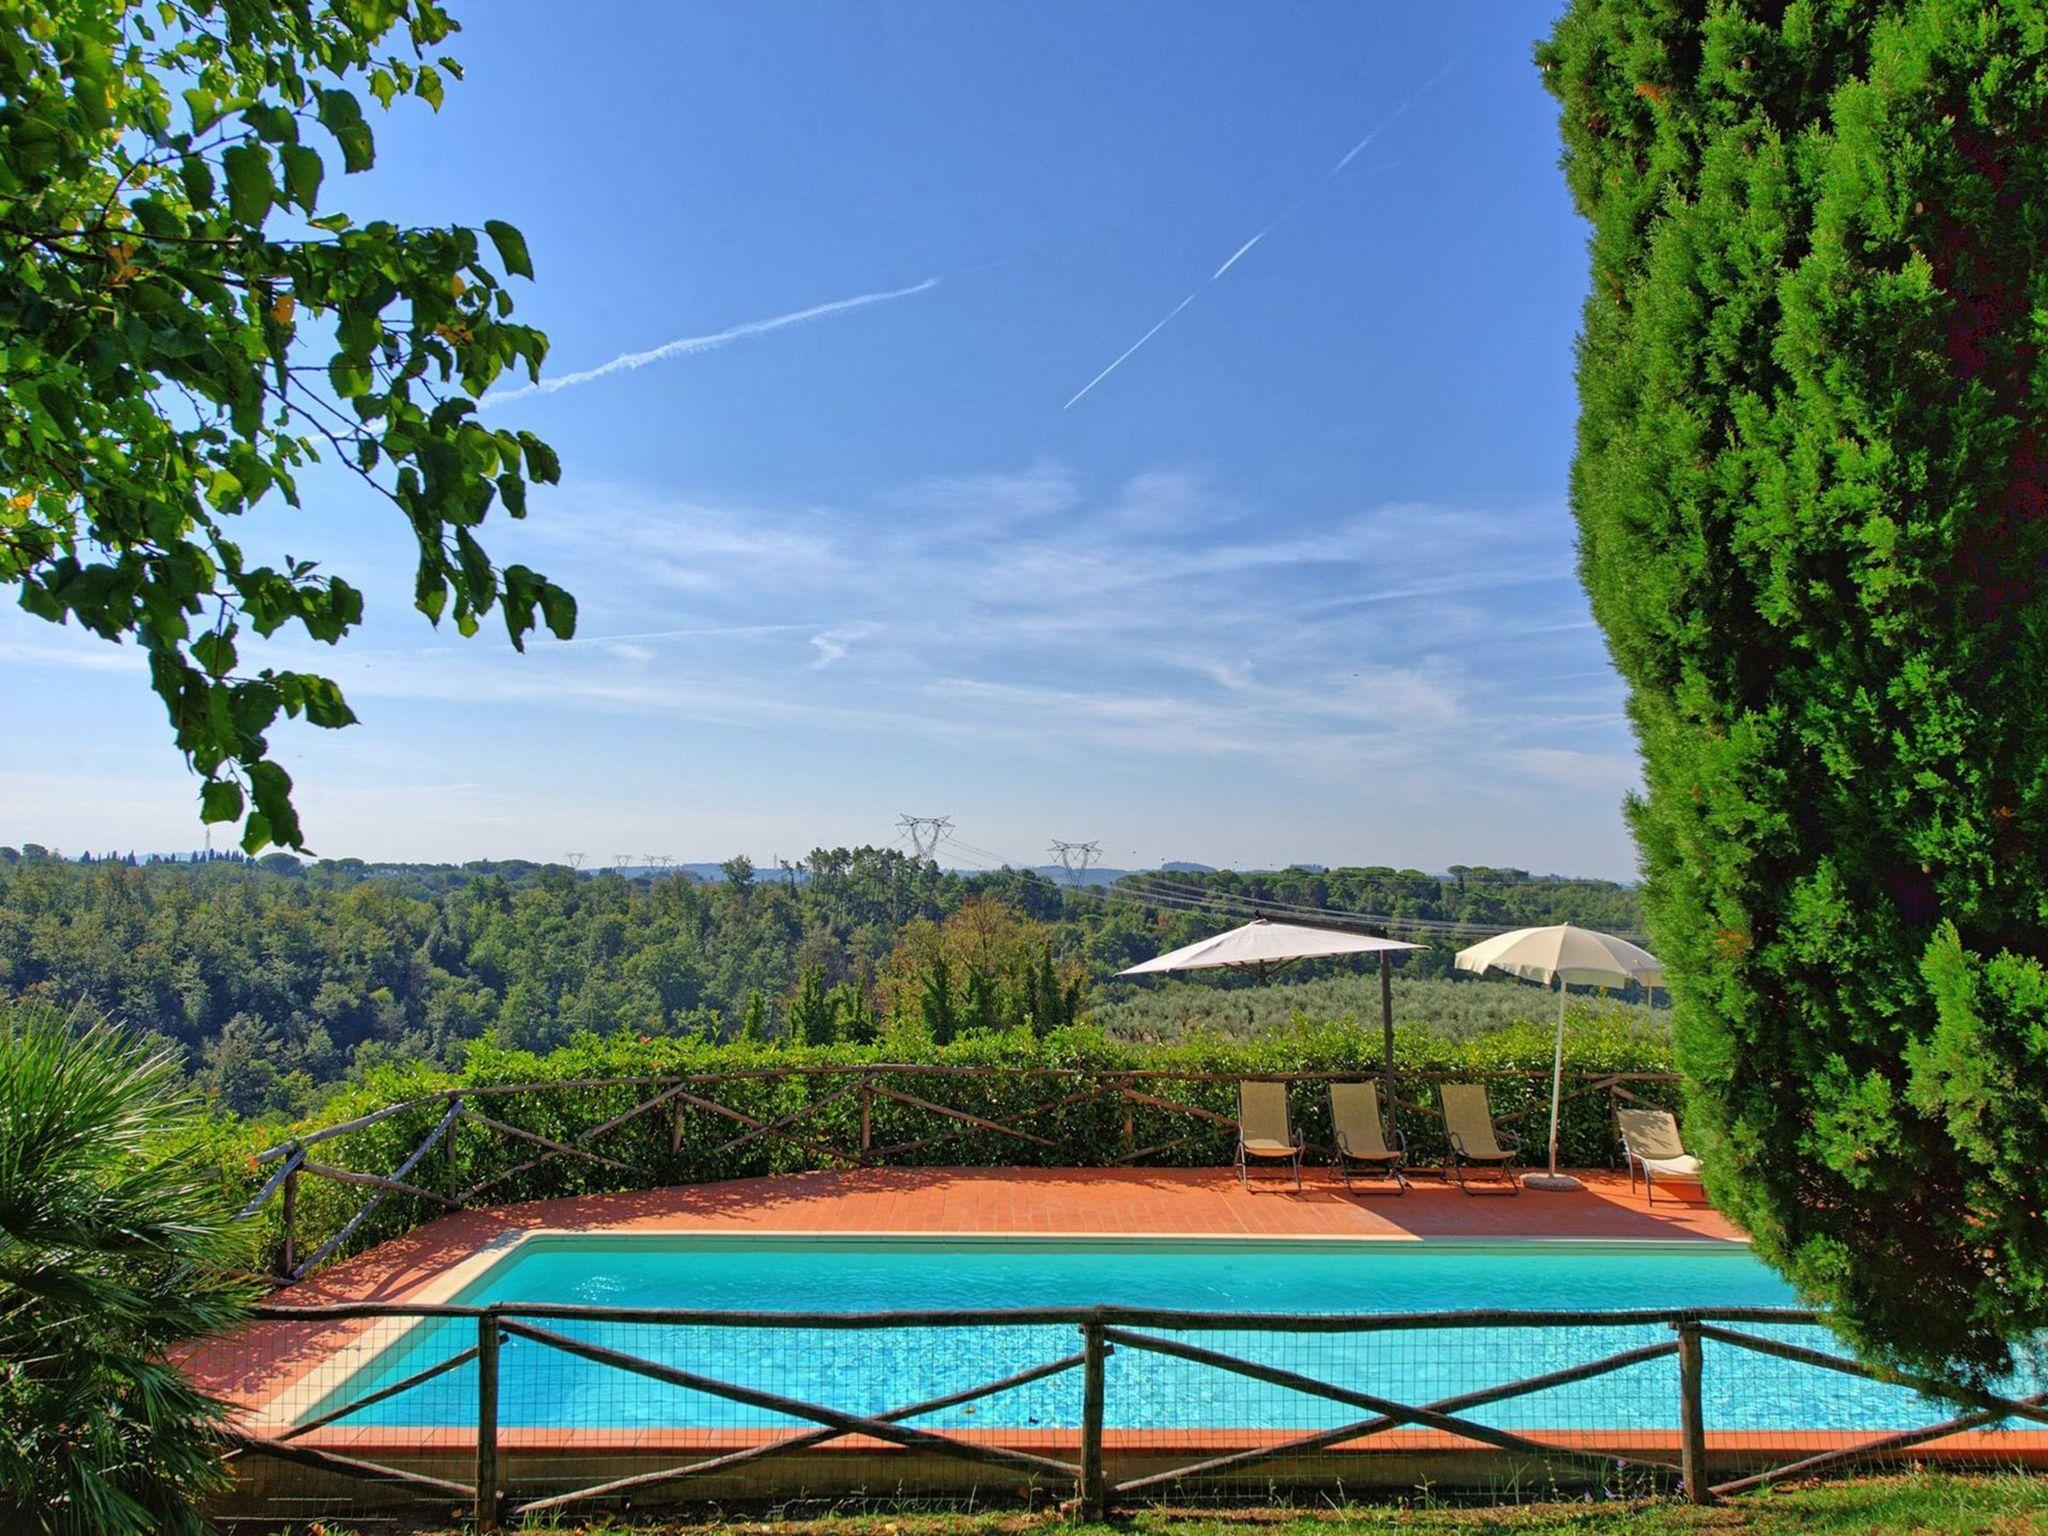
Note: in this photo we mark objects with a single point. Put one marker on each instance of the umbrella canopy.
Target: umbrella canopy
(1577, 956)
(1261, 945)
(1566, 957)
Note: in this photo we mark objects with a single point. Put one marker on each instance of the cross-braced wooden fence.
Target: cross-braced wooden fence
(643, 1132)
(534, 1409)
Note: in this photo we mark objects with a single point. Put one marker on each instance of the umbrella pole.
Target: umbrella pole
(1387, 1028)
(1557, 1075)
(1553, 1179)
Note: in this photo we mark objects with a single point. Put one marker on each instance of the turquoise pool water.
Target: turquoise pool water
(870, 1371)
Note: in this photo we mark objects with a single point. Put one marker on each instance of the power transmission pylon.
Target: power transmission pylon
(574, 860)
(925, 833)
(1075, 858)
(619, 862)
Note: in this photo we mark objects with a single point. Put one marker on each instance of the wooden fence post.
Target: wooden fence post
(867, 1112)
(448, 1149)
(1094, 1486)
(487, 1422)
(1692, 1429)
(675, 1126)
(288, 1213)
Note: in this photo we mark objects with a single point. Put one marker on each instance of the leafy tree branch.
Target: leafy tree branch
(187, 323)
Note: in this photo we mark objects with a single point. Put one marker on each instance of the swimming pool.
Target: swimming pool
(870, 1371)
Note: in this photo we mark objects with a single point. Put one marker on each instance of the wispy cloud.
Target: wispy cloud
(1027, 626)
(836, 643)
(1026, 608)
(686, 345)
(1284, 215)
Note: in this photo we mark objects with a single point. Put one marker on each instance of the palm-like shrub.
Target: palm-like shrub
(116, 1244)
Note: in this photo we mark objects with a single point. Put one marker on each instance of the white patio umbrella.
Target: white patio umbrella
(1262, 946)
(1562, 956)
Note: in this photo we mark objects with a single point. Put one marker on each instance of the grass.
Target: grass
(1922, 1504)
(1454, 1010)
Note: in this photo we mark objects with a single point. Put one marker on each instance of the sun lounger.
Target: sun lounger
(1649, 1138)
(1265, 1129)
(1475, 1143)
(1362, 1140)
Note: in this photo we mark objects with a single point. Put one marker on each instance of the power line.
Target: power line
(1159, 893)
(1443, 925)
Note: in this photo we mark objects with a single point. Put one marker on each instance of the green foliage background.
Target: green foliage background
(1813, 525)
(278, 981)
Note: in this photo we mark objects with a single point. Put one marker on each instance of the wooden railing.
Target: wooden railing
(836, 1125)
(1683, 1460)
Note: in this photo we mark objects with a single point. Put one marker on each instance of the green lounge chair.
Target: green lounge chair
(1475, 1143)
(1362, 1139)
(1265, 1129)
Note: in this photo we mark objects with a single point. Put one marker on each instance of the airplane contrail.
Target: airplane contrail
(1112, 368)
(1393, 117)
(683, 346)
(1243, 250)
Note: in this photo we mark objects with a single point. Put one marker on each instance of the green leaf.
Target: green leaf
(215, 651)
(250, 189)
(542, 465)
(255, 832)
(342, 115)
(206, 109)
(559, 608)
(220, 800)
(350, 379)
(511, 247)
(302, 172)
(271, 788)
(197, 177)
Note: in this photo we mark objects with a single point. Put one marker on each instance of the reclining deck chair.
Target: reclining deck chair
(1468, 1122)
(1650, 1139)
(1362, 1139)
(1265, 1129)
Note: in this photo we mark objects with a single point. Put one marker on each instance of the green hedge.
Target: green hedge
(1089, 1133)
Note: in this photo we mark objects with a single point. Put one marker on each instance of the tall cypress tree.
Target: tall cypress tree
(1814, 527)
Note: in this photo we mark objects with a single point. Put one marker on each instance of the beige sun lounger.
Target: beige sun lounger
(1362, 1135)
(1649, 1138)
(1468, 1122)
(1265, 1129)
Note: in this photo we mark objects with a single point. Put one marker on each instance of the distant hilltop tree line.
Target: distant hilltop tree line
(36, 853)
(277, 979)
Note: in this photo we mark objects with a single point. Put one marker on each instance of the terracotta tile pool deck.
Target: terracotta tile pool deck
(1033, 1202)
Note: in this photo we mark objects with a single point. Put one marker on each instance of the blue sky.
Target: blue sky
(1292, 582)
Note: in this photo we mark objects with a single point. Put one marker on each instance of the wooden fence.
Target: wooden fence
(1100, 1465)
(1081, 1116)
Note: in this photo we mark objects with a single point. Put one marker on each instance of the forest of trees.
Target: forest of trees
(277, 978)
